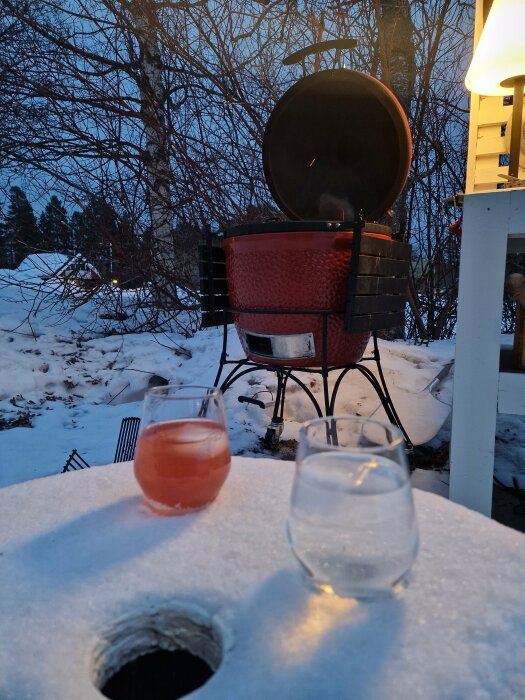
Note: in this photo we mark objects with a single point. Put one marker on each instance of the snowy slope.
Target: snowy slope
(68, 384)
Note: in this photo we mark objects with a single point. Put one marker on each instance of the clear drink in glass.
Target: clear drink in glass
(352, 523)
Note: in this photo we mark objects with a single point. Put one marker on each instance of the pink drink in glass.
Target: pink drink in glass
(182, 464)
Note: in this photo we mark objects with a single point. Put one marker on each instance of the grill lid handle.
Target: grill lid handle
(320, 46)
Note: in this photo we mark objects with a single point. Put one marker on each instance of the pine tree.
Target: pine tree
(93, 229)
(75, 232)
(126, 255)
(54, 227)
(20, 227)
(5, 258)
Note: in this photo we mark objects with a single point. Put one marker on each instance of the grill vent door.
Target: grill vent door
(279, 347)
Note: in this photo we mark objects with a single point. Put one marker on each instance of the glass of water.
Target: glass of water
(352, 524)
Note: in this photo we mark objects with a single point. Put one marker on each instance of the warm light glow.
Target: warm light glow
(299, 638)
(500, 53)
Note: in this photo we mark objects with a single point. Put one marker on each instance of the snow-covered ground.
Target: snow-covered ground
(68, 384)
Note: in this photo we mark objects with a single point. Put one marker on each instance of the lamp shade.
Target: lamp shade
(499, 57)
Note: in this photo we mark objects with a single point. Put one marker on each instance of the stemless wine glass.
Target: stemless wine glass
(183, 456)
(352, 524)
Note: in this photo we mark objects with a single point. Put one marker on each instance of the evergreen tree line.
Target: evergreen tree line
(96, 232)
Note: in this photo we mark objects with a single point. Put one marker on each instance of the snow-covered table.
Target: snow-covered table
(81, 558)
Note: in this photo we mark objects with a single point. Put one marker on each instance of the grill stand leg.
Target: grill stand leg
(325, 369)
(275, 429)
(224, 352)
(396, 420)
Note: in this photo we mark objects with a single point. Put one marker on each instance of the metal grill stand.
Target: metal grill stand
(285, 373)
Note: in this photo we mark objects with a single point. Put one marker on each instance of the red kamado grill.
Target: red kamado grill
(308, 292)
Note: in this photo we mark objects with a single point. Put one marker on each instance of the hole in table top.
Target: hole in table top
(160, 674)
(165, 655)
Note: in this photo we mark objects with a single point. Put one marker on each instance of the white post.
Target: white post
(488, 218)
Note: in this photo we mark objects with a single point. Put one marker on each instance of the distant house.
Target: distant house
(46, 267)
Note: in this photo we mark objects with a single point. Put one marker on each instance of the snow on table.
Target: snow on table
(80, 553)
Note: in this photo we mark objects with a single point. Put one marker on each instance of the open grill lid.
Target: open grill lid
(337, 142)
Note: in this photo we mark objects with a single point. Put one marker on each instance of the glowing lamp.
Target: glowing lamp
(498, 65)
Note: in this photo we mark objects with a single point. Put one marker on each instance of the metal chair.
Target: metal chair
(127, 439)
(74, 462)
(125, 451)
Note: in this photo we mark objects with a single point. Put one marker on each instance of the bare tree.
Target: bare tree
(161, 106)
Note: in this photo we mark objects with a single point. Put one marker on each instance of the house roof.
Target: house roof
(43, 264)
(46, 265)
